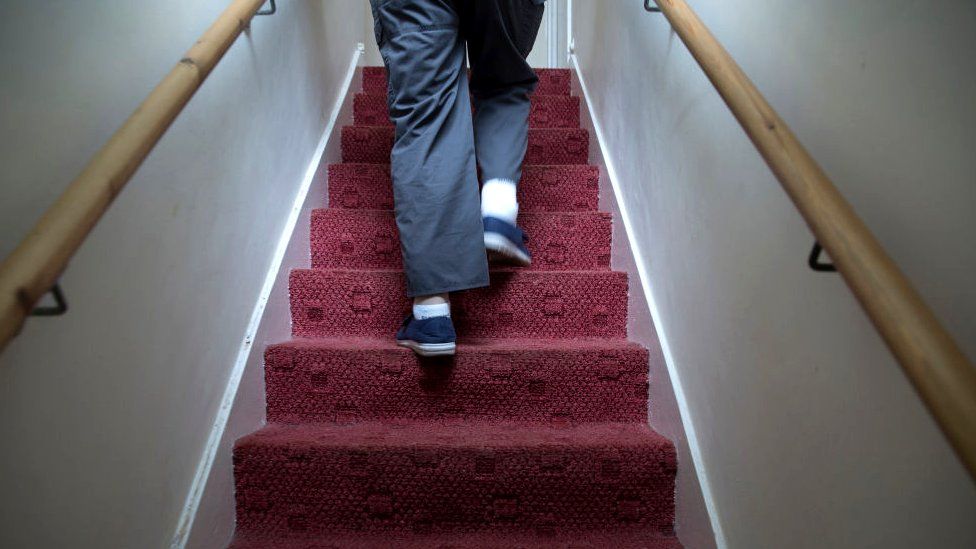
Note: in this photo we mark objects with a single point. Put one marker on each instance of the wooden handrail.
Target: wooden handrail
(35, 265)
(941, 373)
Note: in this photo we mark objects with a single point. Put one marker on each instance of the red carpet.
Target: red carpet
(367, 239)
(486, 540)
(523, 304)
(551, 188)
(548, 111)
(551, 81)
(533, 436)
(372, 144)
(539, 380)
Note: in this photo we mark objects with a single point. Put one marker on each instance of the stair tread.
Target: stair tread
(523, 303)
(373, 379)
(455, 476)
(550, 214)
(535, 96)
(513, 270)
(543, 187)
(475, 435)
(474, 540)
(388, 130)
(467, 345)
(540, 131)
(545, 145)
(368, 238)
(525, 167)
(546, 110)
(551, 81)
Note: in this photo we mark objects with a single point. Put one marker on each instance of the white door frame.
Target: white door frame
(556, 32)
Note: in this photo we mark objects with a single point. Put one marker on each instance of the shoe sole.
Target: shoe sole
(428, 349)
(501, 249)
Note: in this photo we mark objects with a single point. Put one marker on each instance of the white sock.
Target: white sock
(498, 200)
(421, 312)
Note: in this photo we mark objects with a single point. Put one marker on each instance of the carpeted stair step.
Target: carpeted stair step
(556, 382)
(547, 111)
(479, 540)
(551, 81)
(368, 239)
(546, 146)
(520, 304)
(552, 188)
(455, 477)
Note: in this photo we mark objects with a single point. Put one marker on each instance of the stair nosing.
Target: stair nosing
(469, 345)
(500, 269)
(533, 435)
(599, 213)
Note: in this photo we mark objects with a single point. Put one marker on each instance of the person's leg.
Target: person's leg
(500, 35)
(432, 163)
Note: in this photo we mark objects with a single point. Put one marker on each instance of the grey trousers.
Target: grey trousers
(438, 144)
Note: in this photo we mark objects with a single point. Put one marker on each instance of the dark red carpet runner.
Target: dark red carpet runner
(534, 435)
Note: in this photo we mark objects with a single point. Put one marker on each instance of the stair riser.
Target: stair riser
(372, 144)
(480, 540)
(368, 239)
(542, 188)
(452, 489)
(547, 111)
(565, 386)
(518, 304)
(551, 81)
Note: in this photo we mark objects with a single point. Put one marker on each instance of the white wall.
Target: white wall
(209, 518)
(692, 522)
(105, 413)
(371, 57)
(809, 433)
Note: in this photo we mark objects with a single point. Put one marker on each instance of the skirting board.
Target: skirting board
(208, 516)
(696, 520)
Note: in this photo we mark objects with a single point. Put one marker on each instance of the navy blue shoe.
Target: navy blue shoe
(506, 243)
(428, 337)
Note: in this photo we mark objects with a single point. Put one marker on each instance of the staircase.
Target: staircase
(534, 435)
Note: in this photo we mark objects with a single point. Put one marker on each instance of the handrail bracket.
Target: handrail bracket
(269, 11)
(59, 308)
(814, 260)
